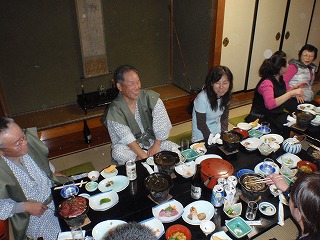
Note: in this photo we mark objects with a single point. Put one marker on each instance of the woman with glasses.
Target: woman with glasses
(302, 71)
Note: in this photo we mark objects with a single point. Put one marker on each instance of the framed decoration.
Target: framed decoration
(92, 38)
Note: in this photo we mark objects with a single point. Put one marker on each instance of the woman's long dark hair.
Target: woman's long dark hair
(272, 66)
(214, 76)
(305, 195)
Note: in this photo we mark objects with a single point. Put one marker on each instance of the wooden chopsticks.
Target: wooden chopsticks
(315, 147)
(256, 181)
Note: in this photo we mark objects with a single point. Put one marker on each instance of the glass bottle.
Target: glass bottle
(86, 132)
(196, 184)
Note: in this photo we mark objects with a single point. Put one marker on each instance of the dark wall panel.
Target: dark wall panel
(40, 51)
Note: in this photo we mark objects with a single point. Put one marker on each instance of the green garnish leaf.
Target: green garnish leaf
(104, 200)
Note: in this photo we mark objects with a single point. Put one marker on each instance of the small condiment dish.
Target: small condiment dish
(93, 175)
(91, 186)
(207, 226)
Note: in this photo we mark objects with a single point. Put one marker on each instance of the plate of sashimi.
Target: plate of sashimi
(168, 211)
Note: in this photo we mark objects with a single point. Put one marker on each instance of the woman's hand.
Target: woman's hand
(277, 180)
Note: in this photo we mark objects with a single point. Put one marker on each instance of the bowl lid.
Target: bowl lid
(216, 167)
(166, 158)
(158, 182)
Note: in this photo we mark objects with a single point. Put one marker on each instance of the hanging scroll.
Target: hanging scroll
(92, 38)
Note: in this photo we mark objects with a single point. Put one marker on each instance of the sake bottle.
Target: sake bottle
(86, 132)
(196, 184)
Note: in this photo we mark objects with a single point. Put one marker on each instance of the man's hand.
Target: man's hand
(155, 148)
(35, 208)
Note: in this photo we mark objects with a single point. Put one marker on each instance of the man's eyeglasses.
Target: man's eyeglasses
(18, 144)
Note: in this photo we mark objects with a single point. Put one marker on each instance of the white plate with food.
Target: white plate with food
(200, 148)
(272, 138)
(155, 225)
(187, 169)
(251, 143)
(206, 156)
(288, 159)
(103, 201)
(267, 208)
(305, 106)
(109, 171)
(102, 228)
(116, 183)
(220, 236)
(168, 211)
(258, 170)
(197, 211)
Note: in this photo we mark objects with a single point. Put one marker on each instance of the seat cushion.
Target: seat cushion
(81, 168)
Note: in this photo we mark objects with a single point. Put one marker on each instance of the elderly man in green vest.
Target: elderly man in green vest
(137, 120)
(25, 181)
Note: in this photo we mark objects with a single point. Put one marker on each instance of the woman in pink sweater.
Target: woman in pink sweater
(272, 93)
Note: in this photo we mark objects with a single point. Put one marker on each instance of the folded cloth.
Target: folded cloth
(67, 235)
(146, 165)
(291, 121)
(280, 214)
(213, 139)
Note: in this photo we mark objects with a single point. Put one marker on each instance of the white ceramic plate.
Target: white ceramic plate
(244, 126)
(202, 206)
(108, 175)
(94, 201)
(187, 169)
(257, 168)
(206, 156)
(156, 210)
(267, 208)
(251, 143)
(305, 106)
(102, 228)
(116, 183)
(295, 159)
(222, 235)
(156, 226)
(271, 138)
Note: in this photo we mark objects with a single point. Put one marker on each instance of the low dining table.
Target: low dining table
(135, 205)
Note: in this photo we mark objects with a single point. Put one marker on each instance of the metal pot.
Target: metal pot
(252, 191)
(74, 219)
(214, 168)
(159, 185)
(231, 140)
(304, 119)
(166, 161)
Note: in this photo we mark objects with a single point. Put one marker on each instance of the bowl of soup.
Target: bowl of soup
(306, 167)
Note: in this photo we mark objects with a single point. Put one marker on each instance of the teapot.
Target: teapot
(292, 145)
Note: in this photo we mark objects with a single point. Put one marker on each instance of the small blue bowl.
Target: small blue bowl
(264, 130)
(267, 169)
(68, 191)
(190, 154)
(242, 171)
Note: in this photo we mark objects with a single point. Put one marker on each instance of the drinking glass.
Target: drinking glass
(251, 210)
(77, 233)
(184, 144)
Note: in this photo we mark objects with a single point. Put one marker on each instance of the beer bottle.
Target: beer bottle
(86, 132)
(196, 184)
